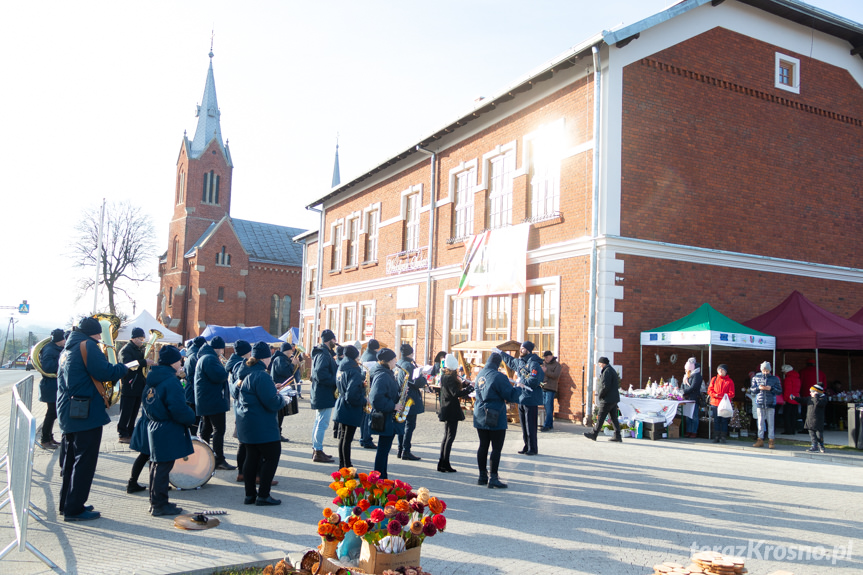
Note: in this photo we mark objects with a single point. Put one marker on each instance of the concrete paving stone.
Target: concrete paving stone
(578, 507)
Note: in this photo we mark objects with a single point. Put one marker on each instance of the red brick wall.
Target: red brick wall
(715, 156)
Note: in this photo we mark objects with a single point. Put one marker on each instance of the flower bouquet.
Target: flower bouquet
(332, 530)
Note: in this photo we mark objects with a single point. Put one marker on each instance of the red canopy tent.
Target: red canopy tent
(798, 323)
(857, 317)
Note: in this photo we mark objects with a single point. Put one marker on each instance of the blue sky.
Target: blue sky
(96, 96)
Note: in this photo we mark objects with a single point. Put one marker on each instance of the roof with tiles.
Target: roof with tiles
(269, 243)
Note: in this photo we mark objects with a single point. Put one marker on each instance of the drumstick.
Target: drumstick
(211, 512)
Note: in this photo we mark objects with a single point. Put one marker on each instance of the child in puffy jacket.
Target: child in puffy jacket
(816, 406)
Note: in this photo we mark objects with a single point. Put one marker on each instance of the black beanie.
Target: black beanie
(406, 349)
(199, 341)
(58, 335)
(528, 345)
(351, 352)
(242, 347)
(386, 354)
(169, 355)
(327, 335)
(493, 361)
(340, 351)
(138, 332)
(261, 350)
(373, 345)
(89, 326)
(287, 346)
(217, 343)
(603, 360)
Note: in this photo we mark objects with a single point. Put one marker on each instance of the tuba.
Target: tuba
(34, 357)
(154, 335)
(110, 328)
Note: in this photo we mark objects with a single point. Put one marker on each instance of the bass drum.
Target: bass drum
(195, 470)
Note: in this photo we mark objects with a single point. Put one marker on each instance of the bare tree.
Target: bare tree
(128, 247)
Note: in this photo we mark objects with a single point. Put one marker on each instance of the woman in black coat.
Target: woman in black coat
(385, 399)
(348, 411)
(451, 392)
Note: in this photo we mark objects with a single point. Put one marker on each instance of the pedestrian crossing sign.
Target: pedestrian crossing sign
(24, 307)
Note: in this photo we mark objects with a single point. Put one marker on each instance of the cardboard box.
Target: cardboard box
(674, 429)
(654, 431)
(372, 561)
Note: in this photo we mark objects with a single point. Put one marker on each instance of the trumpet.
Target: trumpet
(110, 328)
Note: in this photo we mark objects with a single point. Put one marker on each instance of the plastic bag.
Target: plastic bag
(725, 408)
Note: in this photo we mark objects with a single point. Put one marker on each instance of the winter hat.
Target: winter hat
(138, 332)
(817, 387)
(450, 362)
(89, 326)
(67, 333)
(287, 346)
(199, 341)
(386, 355)
(351, 352)
(810, 362)
(242, 347)
(58, 335)
(766, 365)
(493, 361)
(603, 360)
(690, 364)
(217, 342)
(547, 353)
(373, 345)
(722, 366)
(358, 345)
(786, 368)
(406, 349)
(261, 350)
(528, 345)
(169, 355)
(340, 351)
(327, 335)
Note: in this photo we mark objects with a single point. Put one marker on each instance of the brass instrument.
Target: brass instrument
(155, 334)
(400, 416)
(367, 384)
(34, 357)
(110, 329)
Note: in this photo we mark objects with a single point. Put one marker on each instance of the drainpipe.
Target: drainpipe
(432, 207)
(594, 231)
(303, 294)
(321, 234)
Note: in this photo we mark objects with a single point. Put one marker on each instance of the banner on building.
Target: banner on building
(495, 262)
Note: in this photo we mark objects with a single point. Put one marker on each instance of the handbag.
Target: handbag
(377, 421)
(487, 417)
(79, 408)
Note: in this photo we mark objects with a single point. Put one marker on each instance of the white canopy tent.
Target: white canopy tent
(147, 322)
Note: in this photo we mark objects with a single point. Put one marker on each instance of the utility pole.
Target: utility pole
(98, 260)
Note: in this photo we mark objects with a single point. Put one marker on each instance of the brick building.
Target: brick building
(709, 153)
(218, 269)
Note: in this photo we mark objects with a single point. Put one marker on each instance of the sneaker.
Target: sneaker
(48, 445)
(821, 449)
(813, 449)
(83, 516)
(86, 508)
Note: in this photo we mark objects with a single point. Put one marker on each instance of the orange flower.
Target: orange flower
(363, 477)
(417, 528)
(402, 505)
(336, 485)
(327, 512)
(360, 528)
(364, 504)
(390, 511)
(378, 493)
(345, 472)
(345, 527)
(401, 493)
(435, 505)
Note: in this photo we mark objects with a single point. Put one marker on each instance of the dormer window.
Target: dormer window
(223, 259)
(211, 188)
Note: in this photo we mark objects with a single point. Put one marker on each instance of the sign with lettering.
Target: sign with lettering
(408, 261)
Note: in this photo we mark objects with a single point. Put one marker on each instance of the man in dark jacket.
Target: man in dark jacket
(323, 396)
(82, 412)
(283, 368)
(765, 387)
(49, 359)
(528, 370)
(551, 369)
(404, 376)
(607, 398)
(194, 346)
(213, 398)
(371, 354)
(132, 384)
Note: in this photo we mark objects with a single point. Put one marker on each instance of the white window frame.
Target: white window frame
(449, 297)
(412, 227)
(552, 282)
(504, 195)
(353, 239)
(398, 334)
(338, 310)
(544, 182)
(371, 242)
(794, 64)
(361, 329)
(481, 335)
(463, 198)
(336, 243)
(344, 338)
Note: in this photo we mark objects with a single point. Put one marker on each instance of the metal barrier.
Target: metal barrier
(24, 388)
(19, 468)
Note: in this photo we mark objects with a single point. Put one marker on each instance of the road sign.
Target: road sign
(24, 308)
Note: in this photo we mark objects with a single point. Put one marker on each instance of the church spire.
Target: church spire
(336, 177)
(208, 116)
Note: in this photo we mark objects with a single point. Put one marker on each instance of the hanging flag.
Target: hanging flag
(495, 262)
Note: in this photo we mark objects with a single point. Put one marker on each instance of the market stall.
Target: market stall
(471, 357)
(632, 407)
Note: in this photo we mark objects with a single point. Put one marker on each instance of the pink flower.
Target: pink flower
(336, 475)
(377, 515)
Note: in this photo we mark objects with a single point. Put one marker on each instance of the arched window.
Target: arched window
(285, 315)
(170, 296)
(222, 258)
(181, 187)
(176, 252)
(210, 193)
(274, 316)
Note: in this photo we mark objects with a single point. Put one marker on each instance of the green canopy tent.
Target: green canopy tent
(706, 328)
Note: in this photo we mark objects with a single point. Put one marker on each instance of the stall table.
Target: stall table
(667, 408)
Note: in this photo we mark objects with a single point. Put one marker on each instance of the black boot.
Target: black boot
(591, 435)
(483, 478)
(441, 467)
(494, 482)
(617, 438)
(134, 487)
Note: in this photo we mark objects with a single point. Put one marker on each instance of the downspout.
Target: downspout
(303, 295)
(432, 208)
(594, 231)
(318, 273)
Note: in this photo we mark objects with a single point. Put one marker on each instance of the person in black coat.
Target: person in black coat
(168, 421)
(816, 407)
(404, 376)
(528, 370)
(191, 362)
(82, 412)
(350, 404)
(132, 384)
(384, 397)
(493, 392)
(451, 392)
(691, 389)
(283, 368)
(213, 398)
(323, 396)
(370, 355)
(607, 398)
(257, 405)
(49, 359)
